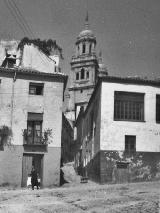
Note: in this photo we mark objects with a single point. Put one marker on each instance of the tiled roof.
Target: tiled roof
(131, 80)
(31, 72)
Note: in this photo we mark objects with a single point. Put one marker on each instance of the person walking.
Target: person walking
(34, 178)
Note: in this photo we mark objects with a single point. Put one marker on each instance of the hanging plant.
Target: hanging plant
(25, 134)
(48, 47)
(5, 135)
(47, 135)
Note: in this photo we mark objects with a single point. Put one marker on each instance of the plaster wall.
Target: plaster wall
(50, 104)
(15, 112)
(113, 132)
(51, 167)
(35, 59)
(11, 166)
(91, 140)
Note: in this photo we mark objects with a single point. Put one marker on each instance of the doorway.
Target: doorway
(30, 160)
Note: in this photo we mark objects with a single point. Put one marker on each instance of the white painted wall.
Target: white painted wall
(35, 59)
(113, 132)
(50, 103)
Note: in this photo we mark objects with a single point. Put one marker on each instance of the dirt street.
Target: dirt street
(90, 197)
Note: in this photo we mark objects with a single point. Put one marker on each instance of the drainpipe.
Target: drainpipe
(12, 97)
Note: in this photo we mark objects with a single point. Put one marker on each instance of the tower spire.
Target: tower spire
(86, 21)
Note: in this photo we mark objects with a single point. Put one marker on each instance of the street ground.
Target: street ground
(86, 197)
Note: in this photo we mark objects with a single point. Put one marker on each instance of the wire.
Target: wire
(18, 12)
(11, 5)
(18, 22)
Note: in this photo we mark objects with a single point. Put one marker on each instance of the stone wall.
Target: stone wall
(142, 166)
(93, 168)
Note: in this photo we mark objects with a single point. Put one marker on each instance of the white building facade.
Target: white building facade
(122, 142)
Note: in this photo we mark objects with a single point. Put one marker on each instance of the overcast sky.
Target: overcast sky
(127, 31)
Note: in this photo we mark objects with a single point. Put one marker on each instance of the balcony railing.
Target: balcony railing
(33, 139)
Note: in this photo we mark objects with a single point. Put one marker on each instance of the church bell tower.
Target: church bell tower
(84, 70)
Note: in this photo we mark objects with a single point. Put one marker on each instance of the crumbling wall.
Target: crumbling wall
(142, 166)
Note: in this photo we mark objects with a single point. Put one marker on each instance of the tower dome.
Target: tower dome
(86, 33)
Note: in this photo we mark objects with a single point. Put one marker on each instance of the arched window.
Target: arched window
(87, 75)
(83, 48)
(90, 48)
(82, 73)
(77, 76)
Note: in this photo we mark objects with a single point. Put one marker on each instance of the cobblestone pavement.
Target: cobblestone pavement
(90, 197)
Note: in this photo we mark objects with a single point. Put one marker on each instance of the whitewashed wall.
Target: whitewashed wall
(50, 103)
(113, 132)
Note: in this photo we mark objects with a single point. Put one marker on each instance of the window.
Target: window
(90, 48)
(82, 73)
(87, 74)
(36, 89)
(77, 76)
(34, 128)
(158, 108)
(83, 48)
(129, 106)
(130, 144)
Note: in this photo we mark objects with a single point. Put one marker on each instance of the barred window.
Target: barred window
(158, 108)
(128, 106)
(130, 144)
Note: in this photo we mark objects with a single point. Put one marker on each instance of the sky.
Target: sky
(127, 31)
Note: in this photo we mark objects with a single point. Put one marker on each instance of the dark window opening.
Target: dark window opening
(82, 73)
(87, 75)
(90, 48)
(77, 76)
(36, 89)
(9, 62)
(158, 108)
(130, 144)
(129, 106)
(83, 48)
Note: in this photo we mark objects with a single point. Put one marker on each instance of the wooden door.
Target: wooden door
(30, 160)
(121, 172)
(26, 168)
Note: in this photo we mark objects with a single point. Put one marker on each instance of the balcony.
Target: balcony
(34, 142)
